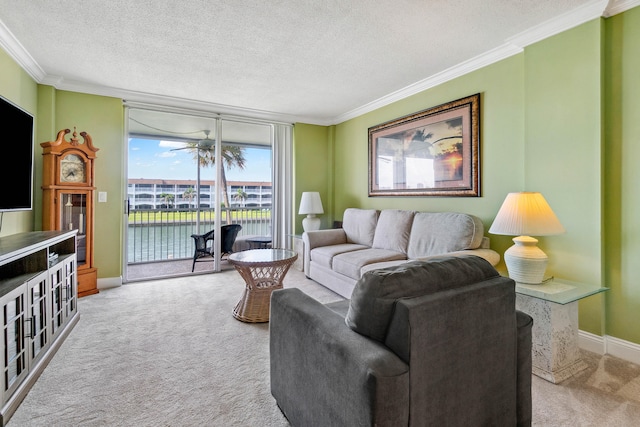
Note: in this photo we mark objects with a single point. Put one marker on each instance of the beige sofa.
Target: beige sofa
(371, 239)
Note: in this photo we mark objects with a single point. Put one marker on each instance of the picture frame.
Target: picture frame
(434, 152)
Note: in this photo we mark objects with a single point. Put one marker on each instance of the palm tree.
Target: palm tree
(240, 195)
(232, 156)
(167, 198)
(189, 194)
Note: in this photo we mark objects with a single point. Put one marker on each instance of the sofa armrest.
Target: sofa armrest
(314, 239)
(317, 238)
(324, 373)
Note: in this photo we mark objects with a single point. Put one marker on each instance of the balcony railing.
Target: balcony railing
(165, 234)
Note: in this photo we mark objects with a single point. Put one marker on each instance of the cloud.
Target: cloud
(171, 144)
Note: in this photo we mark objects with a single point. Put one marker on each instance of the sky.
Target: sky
(153, 159)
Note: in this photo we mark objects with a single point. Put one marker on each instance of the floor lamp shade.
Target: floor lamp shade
(526, 214)
(310, 205)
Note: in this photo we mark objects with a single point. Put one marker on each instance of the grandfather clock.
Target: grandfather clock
(68, 198)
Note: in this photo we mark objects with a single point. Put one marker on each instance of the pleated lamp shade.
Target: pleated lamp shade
(526, 214)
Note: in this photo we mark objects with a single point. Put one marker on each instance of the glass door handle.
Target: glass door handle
(31, 328)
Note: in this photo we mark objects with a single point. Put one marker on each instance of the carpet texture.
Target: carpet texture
(169, 353)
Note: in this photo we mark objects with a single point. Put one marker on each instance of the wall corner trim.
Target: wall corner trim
(109, 282)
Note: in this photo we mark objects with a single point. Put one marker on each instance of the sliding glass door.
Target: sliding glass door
(189, 174)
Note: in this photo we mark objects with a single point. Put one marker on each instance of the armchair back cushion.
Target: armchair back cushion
(359, 225)
(375, 295)
(392, 230)
(443, 232)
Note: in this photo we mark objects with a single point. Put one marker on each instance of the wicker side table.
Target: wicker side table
(263, 271)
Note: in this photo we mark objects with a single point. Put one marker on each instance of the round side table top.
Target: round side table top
(259, 256)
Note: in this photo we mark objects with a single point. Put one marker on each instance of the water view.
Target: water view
(166, 235)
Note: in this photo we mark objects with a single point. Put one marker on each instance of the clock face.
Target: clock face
(72, 169)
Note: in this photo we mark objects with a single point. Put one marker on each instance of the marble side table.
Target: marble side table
(553, 306)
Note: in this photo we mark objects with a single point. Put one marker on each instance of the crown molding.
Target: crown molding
(175, 102)
(14, 48)
(587, 12)
(459, 70)
(618, 6)
(512, 46)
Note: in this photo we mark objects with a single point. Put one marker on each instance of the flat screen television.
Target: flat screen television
(17, 150)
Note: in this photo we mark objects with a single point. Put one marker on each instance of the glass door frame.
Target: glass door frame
(217, 193)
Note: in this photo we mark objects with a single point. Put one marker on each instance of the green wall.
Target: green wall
(622, 174)
(557, 119)
(18, 87)
(103, 119)
(563, 137)
(313, 167)
(502, 125)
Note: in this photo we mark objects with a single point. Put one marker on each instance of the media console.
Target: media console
(39, 303)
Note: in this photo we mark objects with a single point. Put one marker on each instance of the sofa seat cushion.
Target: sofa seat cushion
(375, 294)
(350, 263)
(323, 255)
(392, 231)
(360, 225)
(443, 232)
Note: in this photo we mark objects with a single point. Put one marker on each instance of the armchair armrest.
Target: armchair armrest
(324, 373)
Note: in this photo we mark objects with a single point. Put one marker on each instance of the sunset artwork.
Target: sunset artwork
(425, 154)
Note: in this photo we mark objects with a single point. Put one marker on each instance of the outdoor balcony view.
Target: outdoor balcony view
(171, 191)
(163, 216)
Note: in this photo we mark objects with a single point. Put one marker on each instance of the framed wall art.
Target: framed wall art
(434, 152)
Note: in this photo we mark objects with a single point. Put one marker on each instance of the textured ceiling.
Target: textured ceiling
(303, 60)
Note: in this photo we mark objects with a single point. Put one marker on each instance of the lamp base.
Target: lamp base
(526, 262)
(311, 223)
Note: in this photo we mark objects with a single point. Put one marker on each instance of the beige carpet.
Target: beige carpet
(169, 353)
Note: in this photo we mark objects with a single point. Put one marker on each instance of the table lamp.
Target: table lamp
(311, 205)
(526, 214)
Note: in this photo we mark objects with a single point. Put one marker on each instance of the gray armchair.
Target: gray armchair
(436, 342)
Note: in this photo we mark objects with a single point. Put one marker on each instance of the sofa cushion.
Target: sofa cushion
(375, 294)
(350, 263)
(392, 231)
(323, 255)
(360, 225)
(442, 232)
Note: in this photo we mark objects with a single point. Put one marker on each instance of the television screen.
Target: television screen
(17, 146)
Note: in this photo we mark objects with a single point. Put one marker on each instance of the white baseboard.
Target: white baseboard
(622, 349)
(109, 282)
(591, 342)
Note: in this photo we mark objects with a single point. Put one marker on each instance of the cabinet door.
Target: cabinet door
(70, 291)
(14, 357)
(36, 323)
(56, 294)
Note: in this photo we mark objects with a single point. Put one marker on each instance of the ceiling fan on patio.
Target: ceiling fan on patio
(203, 144)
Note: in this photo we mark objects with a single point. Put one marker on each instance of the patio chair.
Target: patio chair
(205, 247)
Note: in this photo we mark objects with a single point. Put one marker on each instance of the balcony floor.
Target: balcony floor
(178, 267)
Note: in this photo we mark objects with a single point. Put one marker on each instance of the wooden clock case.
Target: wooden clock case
(68, 198)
